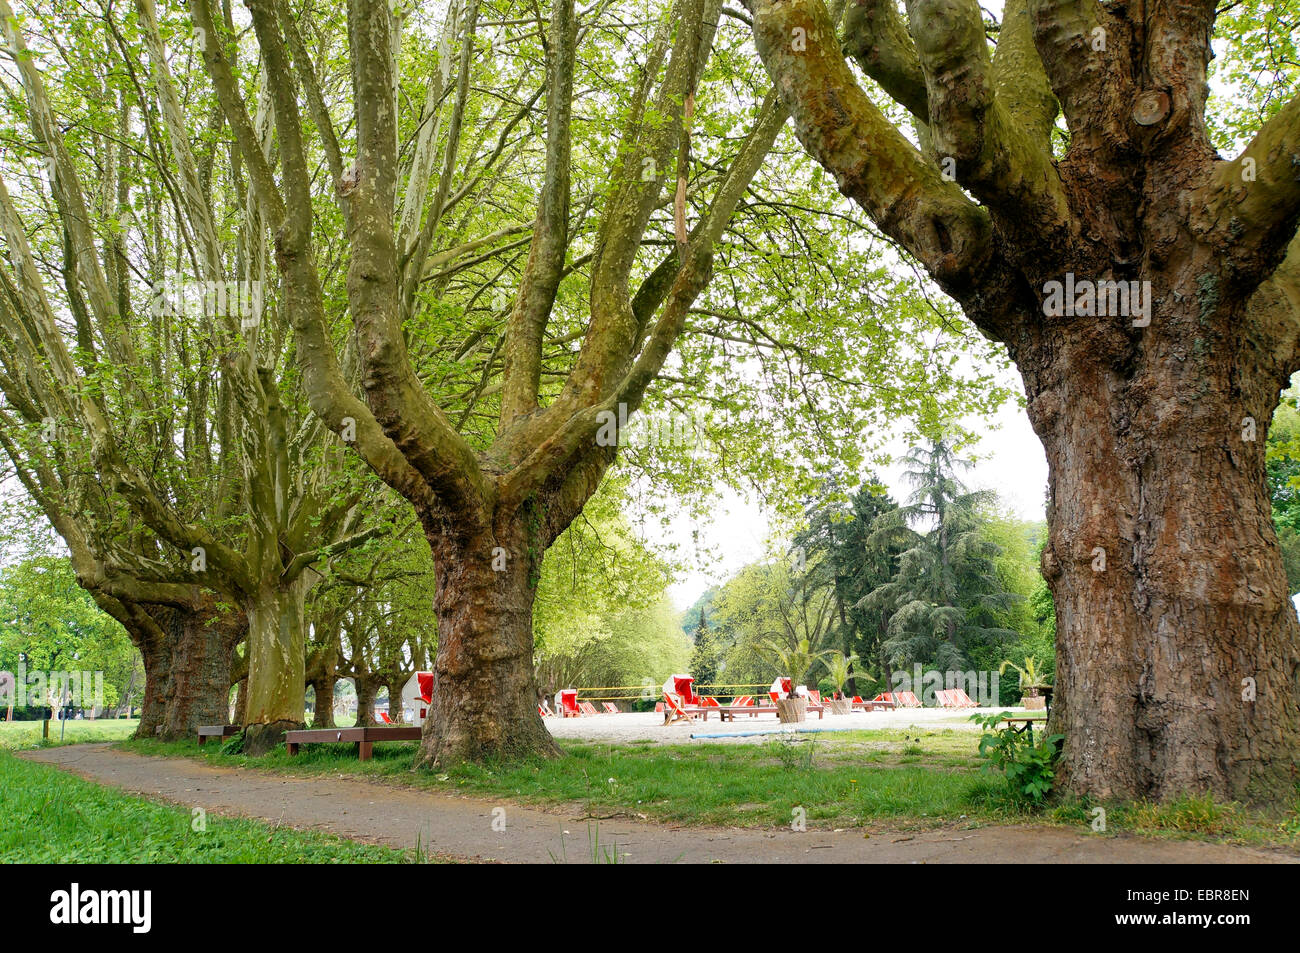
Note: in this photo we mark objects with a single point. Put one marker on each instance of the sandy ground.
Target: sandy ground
(640, 727)
(463, 827)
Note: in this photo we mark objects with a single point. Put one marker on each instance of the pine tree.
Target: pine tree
(945, 596)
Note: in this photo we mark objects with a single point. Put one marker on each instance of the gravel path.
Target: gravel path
(463, 827)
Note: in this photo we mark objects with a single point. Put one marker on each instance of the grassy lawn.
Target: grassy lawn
(27, 734)
(867, 779)
(52, 817)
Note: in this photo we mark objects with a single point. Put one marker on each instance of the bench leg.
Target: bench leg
(291, 747)
(364, 749)
(202, 738)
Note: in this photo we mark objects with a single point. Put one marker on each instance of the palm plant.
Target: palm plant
(794, 662)
(839, 667)
(1031, 679)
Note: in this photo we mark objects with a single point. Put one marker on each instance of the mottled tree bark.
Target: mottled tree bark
(277, 663)
(324, 690)
(1178, 652)
(199, 687)
(1177, 644)
(366, 689)
(485, 697)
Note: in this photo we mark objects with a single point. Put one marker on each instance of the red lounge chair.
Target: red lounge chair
(815, 697)
(611, 708)
(545, 710)
(960, 699)
(587, 708)
(383, 716)
(659, 708)
(743, 701)
(900, 699)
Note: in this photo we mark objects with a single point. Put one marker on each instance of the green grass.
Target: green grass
(53, 817)
(27, 734)
(857, 779)
(897, 779)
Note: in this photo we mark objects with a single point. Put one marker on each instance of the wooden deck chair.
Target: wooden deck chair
(962, 699)
(814, 697)
(587, 708)
(383, 716)
(659, 708)
(544, 709)
(611, 708)
(673, 710)
(908, 700)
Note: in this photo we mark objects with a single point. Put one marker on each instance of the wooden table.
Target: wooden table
(871, 704)
(728, 713)
(364, 737)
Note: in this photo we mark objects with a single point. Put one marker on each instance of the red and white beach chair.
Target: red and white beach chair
(611, 708)
(569, 703)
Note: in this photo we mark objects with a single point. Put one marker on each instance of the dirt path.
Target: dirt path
(464, 827)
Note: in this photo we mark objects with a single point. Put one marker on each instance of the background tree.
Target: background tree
(945, 599)
(705, 663)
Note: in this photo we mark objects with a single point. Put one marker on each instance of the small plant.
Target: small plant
(793, 663)
(839, 667)
(1032, 681)
(234, 746)
(794, 753)
(1029, 768)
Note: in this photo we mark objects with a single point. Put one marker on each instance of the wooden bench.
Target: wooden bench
(217, 731)
(364, 737)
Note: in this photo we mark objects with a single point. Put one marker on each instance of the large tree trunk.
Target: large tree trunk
(324, 689)
(1177, 652)
(156, 656)
(277, 664)
(484, 694)
(200, 670)
(186, 655)
(366, 687)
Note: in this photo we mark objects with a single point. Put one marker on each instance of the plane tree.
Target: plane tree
(1146, 287)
